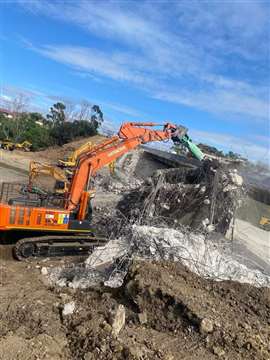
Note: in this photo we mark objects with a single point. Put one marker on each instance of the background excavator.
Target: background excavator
(37, 170)
(70, 162)
(48, 225)
(9, 145)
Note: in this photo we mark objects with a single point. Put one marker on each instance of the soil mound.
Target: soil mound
(170, 313)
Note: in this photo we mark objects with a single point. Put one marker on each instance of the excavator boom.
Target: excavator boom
(129, 137)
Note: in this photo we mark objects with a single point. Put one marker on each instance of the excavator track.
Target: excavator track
(51, 246)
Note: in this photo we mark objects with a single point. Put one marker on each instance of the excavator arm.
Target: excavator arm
(129, 137)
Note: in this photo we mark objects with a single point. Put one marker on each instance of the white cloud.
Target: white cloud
(120, 108)
(236, 144)
(208, 55)
(233, 27)
(5, 98)
(218, 101)
(226, 97)
(92, 60)
(179, 53)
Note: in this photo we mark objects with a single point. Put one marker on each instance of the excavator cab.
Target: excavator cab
(7, 145)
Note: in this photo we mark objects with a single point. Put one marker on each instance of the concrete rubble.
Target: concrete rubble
(68, 308)
(202, 199)
(118, 319)
(178, 215)
(196, 251)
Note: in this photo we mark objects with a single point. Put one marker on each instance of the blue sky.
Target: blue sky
(203, 64)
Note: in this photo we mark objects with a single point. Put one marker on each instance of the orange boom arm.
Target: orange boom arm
(129, 137)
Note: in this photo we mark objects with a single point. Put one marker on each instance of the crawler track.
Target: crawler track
(49, 246)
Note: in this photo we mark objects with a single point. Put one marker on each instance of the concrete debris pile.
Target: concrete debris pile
(203, 198)
(117, 185)
(205, 257)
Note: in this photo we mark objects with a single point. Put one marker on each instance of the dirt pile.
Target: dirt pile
(167, 313)
(30, 326)
(170, 313)
(54, 153)
(204, 198)
(226, 317)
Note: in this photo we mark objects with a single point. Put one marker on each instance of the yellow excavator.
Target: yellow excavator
(71, 160)
(36, 169)
(9, 145)
(265, 223)
(25, 146)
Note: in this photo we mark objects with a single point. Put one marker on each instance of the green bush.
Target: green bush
(53, 130)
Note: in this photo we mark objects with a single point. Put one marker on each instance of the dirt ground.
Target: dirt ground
(20, 159)
(170, 313)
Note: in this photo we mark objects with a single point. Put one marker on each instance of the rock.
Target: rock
(229, 188)
(44, 270)
(169, 357)
(165, 206)
(202, 190)
(65, 297)
(68, 308)
(206, 326)
(236, 179)
(206, 201)
(142, 318)
(107, 327)
(136, 352)
(88, 356)
(217, 350)
(205, 222)
(62, 282)
(224, 177)
(247, 326)
(118, 318)
(210, 228)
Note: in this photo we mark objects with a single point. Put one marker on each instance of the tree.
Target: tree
(36, 133)
(70, 111)
(212, 150)
(53, 129)
(18, 107)
(19, 104)
(97, 116)
(57, 113)
(233, 155)
(4, 128)
(62, 133)
(84, 112)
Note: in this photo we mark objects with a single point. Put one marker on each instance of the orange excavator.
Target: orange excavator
(49, 225)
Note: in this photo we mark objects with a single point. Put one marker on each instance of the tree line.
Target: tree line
(58, 127)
